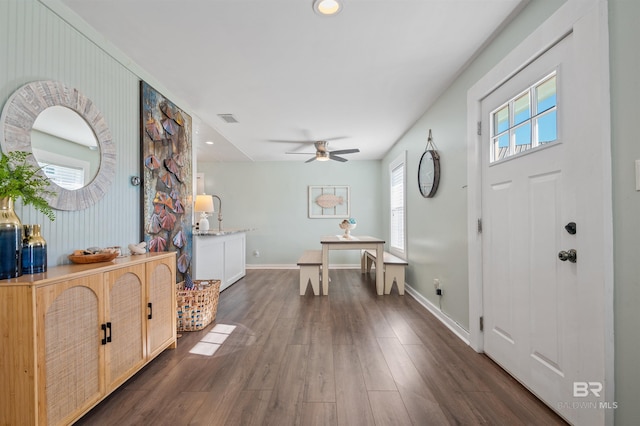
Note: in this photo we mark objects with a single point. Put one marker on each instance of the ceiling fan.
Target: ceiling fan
(323, 154)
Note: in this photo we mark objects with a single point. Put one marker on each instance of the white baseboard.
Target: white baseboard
(441, 316)
(273, 266)
(294, 266)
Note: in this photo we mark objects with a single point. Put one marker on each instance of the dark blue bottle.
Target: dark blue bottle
(10, 240)
(34, 251)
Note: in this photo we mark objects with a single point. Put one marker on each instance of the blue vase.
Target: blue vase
(34, 251)
(10, 240)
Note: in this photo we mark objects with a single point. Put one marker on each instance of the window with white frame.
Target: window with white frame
(398, 180)
(526, 121)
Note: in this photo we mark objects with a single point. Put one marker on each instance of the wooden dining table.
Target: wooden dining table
(360, 242)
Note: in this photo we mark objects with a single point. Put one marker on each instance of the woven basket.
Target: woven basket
(197, 307)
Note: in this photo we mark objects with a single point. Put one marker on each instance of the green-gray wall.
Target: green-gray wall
(37, 45)
(41, 43)
(437, 241)
(437, 237)
(272, 197)
(624, 34)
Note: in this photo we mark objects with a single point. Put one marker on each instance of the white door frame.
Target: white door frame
(562, 22)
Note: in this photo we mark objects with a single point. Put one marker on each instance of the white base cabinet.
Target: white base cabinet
(220, 257)
(72, 335)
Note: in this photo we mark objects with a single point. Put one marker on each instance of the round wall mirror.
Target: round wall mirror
(69, 138)
(66, 148)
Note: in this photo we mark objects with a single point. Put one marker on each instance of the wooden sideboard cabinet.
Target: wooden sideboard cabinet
(72, 335)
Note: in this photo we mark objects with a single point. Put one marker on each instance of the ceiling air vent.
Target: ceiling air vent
(228, 118)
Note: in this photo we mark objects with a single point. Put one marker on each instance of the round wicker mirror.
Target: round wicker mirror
(20, 113)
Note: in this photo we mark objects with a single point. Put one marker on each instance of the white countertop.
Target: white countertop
(216, 233)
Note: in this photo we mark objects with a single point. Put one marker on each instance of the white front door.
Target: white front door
(542, 315)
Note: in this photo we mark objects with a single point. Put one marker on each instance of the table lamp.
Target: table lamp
(204, 204)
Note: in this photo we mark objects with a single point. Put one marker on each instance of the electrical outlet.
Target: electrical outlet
(436, 283)
(438, 292)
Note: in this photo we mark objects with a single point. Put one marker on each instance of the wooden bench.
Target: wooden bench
(310, 263)
(393, 269)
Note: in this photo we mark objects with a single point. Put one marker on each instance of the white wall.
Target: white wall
(272, 198)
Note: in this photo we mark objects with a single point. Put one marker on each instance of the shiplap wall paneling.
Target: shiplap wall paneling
(36, 44)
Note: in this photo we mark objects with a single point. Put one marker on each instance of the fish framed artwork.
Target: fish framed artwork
(167, 195)
(329, 202)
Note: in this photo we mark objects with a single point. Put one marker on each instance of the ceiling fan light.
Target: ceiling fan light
(322, 156)
(327, 7)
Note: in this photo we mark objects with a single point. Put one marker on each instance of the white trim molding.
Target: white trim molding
(452, 325)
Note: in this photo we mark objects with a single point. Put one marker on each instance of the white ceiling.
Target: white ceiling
(286, 74)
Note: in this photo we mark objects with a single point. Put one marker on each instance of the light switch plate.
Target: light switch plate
(637, 175)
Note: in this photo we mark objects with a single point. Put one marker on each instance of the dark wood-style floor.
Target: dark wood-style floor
(352, 358)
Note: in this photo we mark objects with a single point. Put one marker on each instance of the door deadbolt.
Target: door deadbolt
(571, 256)
(571, 228)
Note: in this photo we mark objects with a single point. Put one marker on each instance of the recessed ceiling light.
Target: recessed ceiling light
(209, 142)
(327, 7)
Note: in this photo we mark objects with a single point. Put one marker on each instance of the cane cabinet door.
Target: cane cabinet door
(125, 310)
(161, 305)
(69, 355)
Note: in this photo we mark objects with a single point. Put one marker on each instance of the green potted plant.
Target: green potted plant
(19, 178)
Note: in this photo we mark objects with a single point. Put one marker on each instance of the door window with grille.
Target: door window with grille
(526, 121)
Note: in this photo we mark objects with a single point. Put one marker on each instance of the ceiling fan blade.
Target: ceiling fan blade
(307, 141)
(337, 138)
(310, 159)
(335, 157)
(290, 141)
(345, 151)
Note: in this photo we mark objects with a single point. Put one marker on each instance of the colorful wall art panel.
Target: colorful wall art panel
(165, 136)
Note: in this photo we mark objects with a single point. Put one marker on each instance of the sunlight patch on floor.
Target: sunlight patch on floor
(212, 341)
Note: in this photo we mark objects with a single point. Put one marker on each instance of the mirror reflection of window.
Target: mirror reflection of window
(67, 177)
(65, 146)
